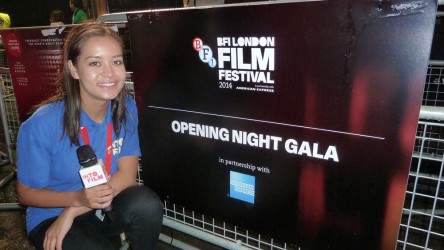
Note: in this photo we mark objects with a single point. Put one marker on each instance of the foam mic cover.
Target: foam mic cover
(86, 156)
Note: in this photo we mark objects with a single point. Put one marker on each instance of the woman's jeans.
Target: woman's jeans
(137, 211)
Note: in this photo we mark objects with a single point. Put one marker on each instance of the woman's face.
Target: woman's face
(100, 70)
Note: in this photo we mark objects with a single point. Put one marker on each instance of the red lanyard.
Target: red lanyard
(108, 149)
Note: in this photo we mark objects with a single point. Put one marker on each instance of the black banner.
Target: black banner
(294, 120)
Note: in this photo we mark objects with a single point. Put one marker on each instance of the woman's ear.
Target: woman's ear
(73, 70)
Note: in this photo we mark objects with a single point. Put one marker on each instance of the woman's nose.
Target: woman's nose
(107, 70)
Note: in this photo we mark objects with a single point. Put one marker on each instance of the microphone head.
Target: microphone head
(86, 155)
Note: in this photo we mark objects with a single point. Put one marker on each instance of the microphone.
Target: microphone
(92, 173)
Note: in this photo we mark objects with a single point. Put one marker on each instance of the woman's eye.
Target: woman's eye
(93, 63)
(118, 62)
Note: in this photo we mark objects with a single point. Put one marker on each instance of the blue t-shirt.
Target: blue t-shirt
(47, 159)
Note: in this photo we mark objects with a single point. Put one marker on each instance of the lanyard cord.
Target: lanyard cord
(108, 149)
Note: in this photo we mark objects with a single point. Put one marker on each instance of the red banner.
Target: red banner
(35, 59)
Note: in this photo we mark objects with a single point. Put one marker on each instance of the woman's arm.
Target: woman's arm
(78, 202)
(126, 174)
(93, 198)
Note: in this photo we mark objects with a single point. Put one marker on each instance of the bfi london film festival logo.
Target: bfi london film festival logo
(244, 63)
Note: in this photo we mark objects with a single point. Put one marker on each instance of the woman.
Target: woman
(90, 105)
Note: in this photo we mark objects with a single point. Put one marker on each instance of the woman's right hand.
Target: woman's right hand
(98, 197)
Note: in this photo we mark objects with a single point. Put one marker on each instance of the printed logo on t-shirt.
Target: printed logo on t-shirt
(117, 146)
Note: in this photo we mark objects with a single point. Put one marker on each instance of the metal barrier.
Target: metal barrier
(8, 110)
(422, 222)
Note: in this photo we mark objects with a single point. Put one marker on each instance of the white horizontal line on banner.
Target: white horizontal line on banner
(270, 122)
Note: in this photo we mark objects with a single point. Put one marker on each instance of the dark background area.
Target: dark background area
(131, 5)
(437, 52)
(26, 13)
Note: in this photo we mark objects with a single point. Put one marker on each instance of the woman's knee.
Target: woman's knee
(142, 200)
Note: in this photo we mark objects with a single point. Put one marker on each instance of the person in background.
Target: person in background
(79, 14)
(91, 107)
(56, 18)
(5, 20)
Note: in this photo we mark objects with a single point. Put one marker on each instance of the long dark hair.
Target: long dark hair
(68, 89)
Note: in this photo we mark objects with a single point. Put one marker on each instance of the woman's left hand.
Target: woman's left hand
(57, 231)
